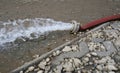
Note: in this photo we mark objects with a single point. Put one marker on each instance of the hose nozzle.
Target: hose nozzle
(76, 26)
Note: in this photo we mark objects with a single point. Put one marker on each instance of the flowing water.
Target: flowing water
(21, 39)
(29, 28)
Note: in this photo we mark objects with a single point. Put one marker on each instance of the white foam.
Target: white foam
(11, 30)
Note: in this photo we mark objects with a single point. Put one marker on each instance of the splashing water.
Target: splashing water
(11, 30)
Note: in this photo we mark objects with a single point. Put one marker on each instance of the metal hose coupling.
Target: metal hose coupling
(76, 26)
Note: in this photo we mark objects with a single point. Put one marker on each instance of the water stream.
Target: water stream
(29, 28)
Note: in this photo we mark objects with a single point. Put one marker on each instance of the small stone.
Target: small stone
(86, 59)
(71, 60)
(111, 67)
(84, 71)
(111, 72)
(31, 68)
(93, 53)
(68, 67)
(36, 69)
(54, 54)
(40, 71)
(42, 64)
(36, 56)
(77, 62)
(95, 61)
(111, 62)
(57, 52)
(58, 69)
(88, 55)
(91, 48)
(99, 67)
(67, 49)
(21, 72)
(74, 47)
(79, 72)
(102, 61)
(90, 63)
(47, 59)
(47, 67)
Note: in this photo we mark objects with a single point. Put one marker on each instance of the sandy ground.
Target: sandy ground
(64, 10)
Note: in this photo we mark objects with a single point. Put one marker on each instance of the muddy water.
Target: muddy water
(15, 54)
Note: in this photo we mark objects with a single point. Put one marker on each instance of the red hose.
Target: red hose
(99, 21)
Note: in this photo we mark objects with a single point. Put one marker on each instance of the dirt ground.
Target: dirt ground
(82, 11)
(65, 10)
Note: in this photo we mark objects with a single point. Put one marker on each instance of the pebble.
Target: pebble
(36, 56)
(86, 59)
(96, 46)
(57, 52)
(84, 71)
(74, 47)
(68, 67)
(31, 68)
(36, 69)
(99, 67)
(40, 71)
(54, 54)
(111, 72)
(79, 72)
(21, 72)
(90, 63)
(88, 55)
(47, 68)
(93, 53)
(67, 49)
(71, 60)
(77, 62)
(91, 44)
(102, 47)
(42, 64)
(97, 34)
(111, 62)
(111, 67)
(102, 61)
(47, 59)
(58, 69)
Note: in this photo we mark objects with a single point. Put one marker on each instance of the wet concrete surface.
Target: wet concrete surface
(64, 10)
(20, 52)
